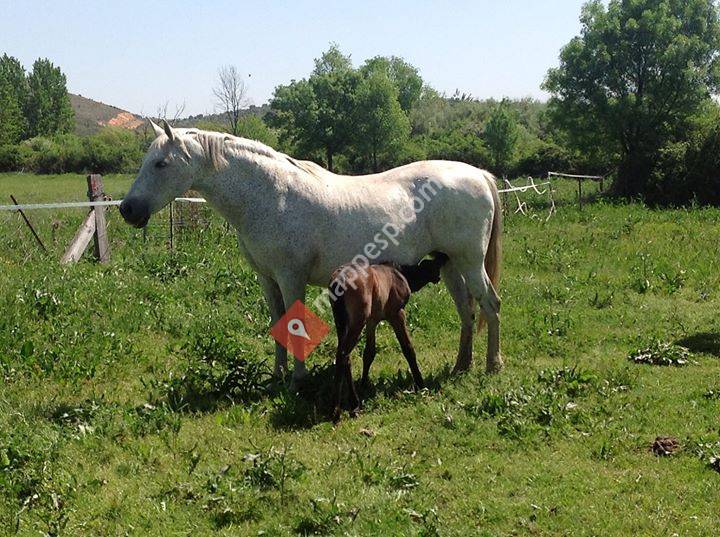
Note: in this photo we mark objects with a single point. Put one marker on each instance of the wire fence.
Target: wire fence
(180, 222)
(190, 219)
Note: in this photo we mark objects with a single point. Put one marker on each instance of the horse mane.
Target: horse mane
(218, 146)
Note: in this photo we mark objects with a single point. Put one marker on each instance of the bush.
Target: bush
(461, 144)
(688, 171)
(546, 158)
(112, 150)
(14, 157)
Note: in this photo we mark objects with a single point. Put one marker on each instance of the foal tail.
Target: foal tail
(493, 256)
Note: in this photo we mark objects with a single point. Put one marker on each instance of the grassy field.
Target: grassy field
(135, 398)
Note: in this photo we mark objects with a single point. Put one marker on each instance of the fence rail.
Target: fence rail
(580, 179)
(80, 204)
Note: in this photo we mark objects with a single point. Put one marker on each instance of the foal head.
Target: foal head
(425, 272)
(167, 171)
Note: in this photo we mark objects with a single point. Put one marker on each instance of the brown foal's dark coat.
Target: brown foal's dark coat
(364, 299)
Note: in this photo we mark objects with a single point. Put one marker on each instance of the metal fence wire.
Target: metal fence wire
(171, 227)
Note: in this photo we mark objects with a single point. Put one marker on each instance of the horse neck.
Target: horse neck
(246, 180)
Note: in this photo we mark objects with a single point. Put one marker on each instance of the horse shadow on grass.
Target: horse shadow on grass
(702, 342)
(201, 391)
(313, 403)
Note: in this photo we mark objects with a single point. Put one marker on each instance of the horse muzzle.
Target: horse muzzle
(135, 211)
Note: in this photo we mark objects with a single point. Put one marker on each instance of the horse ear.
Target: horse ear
(168, 130)
(156, 127)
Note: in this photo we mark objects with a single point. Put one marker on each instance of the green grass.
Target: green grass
(135, 398)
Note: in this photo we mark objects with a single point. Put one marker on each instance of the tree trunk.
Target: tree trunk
(329, 155)
(634, 174)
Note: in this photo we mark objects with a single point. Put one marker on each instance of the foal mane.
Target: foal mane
(218, 146)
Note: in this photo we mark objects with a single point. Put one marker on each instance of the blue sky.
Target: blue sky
(140, 54)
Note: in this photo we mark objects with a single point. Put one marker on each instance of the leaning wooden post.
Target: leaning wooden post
(96, 193)
(27, 222)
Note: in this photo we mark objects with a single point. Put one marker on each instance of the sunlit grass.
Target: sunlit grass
(134, 397)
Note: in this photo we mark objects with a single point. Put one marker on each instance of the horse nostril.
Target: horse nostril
(135, 211)
(125, 209)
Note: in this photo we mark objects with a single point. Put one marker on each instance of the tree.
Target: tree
(13, 98)
(380, 123)
(48, 109)
(231, 95)
(316, 114)
(501, 135)
(404, 76)
(629, 83)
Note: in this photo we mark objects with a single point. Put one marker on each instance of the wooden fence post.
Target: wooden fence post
(96, 193)
(580, 192)
(172, 224)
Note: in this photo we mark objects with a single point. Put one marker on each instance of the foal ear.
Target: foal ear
(168, 130)
(156, 127)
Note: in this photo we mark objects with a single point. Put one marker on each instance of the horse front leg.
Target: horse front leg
(275, 303)
(292, 287)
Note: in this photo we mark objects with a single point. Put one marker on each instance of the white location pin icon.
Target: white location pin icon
(297, 328)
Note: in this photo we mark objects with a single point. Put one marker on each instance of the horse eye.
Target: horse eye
(161, 164)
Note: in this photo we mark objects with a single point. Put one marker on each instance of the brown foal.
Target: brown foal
(366, 296)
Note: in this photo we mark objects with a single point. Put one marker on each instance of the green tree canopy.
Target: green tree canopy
(381, 126)
(12, 121)
(13, 96)
(404, 76)
(316, 114)
(48, 109)
(501, 135)
(632, 79)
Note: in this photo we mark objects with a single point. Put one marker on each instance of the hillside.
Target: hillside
(192, 121)
(91, 115)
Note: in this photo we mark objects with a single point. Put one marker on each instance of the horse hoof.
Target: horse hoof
(461, 367)
(494, 367)
(355, 412)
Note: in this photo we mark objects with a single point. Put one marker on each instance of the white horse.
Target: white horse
(297, 222)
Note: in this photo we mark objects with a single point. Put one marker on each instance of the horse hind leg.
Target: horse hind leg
(465, 305)
(482, 289)
(368, 353)
(399, 325)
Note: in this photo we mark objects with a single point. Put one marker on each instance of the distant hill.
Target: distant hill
(192, 121)
(91, 116)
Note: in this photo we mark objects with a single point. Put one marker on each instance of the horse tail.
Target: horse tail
(493, 256)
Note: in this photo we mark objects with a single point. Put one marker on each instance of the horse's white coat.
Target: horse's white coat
(297, 222)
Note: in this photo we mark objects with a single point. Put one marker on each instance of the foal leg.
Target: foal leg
(465, 306)
(401, 332)
(343, 367)
(369, 352)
